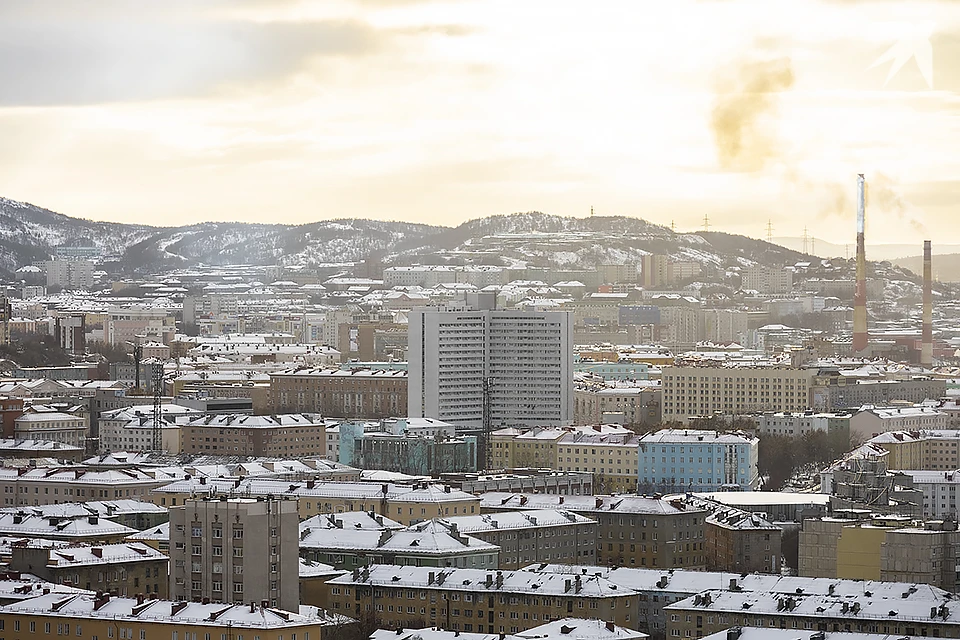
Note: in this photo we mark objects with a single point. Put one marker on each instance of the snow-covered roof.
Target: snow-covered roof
(237, 616)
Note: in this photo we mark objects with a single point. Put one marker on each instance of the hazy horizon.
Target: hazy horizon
(441, 111)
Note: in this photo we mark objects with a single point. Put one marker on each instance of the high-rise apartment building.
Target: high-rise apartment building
(69, 274)
(236, 550)
(517, 363)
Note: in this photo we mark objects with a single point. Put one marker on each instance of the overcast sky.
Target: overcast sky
(440, 111)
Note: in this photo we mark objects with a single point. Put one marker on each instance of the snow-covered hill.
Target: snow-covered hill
(29, 233)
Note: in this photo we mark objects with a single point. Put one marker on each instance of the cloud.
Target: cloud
(110, 60)
(743, 103)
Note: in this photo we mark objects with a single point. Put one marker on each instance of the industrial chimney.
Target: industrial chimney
(926, 346)
(860, 296)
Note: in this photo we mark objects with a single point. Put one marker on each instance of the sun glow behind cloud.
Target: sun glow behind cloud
(439, 111)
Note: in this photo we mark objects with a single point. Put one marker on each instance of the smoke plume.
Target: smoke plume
(741, 106)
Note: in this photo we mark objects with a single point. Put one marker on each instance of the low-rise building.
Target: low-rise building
(870, 421)
(411, 454)
(922, 449)
(716, 610)
(678, 460)
(132, 428)
(26, 449)
(800, 424)
(157, 537)
(137, 514)
(636, 531)
(280, 435)
(690, 392)
(740, 541)
(103, 616)
(659, 589)
(122, 569)
(434, 543)
(91, 528)
(889, 548)
(638, 403)
(406, 504)
(52, 426)
(527, 537)
(523, 481)
(477, 599)
(563, 629)
(53, 485)
(611, 458)
(354, 393)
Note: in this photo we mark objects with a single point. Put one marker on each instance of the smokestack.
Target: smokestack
(926, 346)
(860, 296)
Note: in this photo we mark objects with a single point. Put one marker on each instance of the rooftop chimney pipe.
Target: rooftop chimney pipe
(926, 345)
(860, 295)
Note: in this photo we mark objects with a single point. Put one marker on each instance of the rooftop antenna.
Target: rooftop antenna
(770, 231)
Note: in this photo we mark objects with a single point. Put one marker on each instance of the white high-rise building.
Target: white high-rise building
(521, 360)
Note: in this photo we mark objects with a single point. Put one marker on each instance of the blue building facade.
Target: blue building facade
(689, 460)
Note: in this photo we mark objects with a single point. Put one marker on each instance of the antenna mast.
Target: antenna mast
(770, 231)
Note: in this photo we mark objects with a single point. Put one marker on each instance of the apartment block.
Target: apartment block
(740, 541)
(236, 550)
(92, 616)
(357, 393)
(724, 325)
(519, 362)
(539, 447)
(870, 421)
(53, 485)
(74, 529)
(887, 548)
(717, 610)
(51, 426)
(631, 404)
(611, 458)
(478, 600)
(660, 590)
(433, 543)
(290, 435)
(69, 274)
(800, 424)
(130, 324)
(632, 531)
(407, 504)
(763, 279)
(532, 537)
(677, 460)
(690, 392)
(122, 569)
(832, 392)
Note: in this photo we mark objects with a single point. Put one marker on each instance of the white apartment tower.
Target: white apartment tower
(520, 360)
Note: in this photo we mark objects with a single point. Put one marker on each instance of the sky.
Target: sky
(749, 112)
